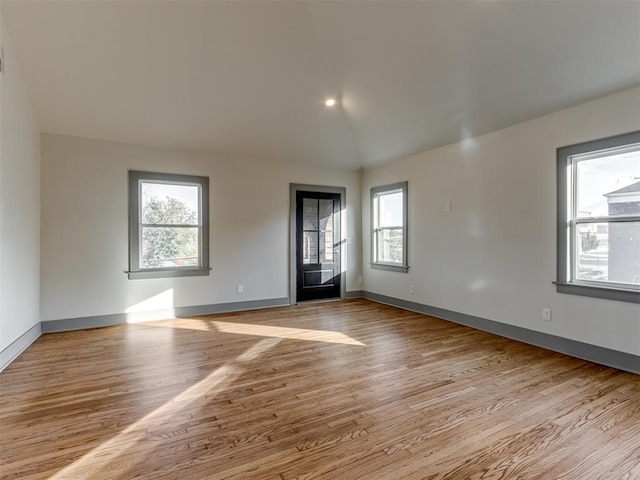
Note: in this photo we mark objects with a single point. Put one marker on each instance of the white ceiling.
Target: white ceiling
(248, 79)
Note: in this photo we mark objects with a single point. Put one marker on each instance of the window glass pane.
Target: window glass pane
(310, 214)
(609, 185)
(169, 204)
(389, 243)
(310, 247)
(609, 252)
(164, 247)
(390, 210)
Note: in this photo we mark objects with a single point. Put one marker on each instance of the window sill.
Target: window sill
(168, 273)
(391, 268)
(618, 294)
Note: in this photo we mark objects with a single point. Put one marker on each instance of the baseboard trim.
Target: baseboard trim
(11, 352)
(355, 294)
(98, 321)
(585, 351)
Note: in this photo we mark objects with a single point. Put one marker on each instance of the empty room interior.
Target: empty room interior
(307, 239)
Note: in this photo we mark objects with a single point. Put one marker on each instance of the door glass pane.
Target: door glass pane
(169, 247)
(310, 247)
(167, 203)
(609, 252)
(326, 214)
(608, 185)
(310, 214)
(326, 230)
(326, 247)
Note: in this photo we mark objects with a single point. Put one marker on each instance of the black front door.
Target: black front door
(317, 245)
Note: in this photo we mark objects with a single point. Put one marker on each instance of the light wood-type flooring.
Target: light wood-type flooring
(341, 390)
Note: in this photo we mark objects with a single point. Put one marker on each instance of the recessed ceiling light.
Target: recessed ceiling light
(330, 102)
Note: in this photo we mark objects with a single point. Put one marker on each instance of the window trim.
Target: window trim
(135, 179)
(566, 235)
(375, 192)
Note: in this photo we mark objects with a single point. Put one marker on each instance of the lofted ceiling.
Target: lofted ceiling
(248, 79)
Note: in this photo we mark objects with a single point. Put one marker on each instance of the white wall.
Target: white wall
(84, 227)
(494, 255)
(19, 203)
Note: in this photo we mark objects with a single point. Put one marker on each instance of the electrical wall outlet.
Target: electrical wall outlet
(412, 289)
(360, 279)
(240, 288)
(546, 314)
(447, 207)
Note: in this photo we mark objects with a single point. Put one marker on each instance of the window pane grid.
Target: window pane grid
(599, 218)
(168, 225)
(388, 226)
(604, 217)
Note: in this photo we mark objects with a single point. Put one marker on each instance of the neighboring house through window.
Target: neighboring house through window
(389, 227)
(599, 218)
(168, 225)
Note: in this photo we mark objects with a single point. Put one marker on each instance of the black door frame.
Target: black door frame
(293, 269)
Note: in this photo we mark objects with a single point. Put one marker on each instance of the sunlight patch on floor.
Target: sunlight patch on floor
(327, 336)
(103, 460)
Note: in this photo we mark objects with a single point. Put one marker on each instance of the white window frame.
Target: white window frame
(376, 193)
(136, 179)
(568, 221)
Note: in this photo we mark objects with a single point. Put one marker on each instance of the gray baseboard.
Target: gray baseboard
(11, 352)
(585, 351)
(355, 294)
(97, 321)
